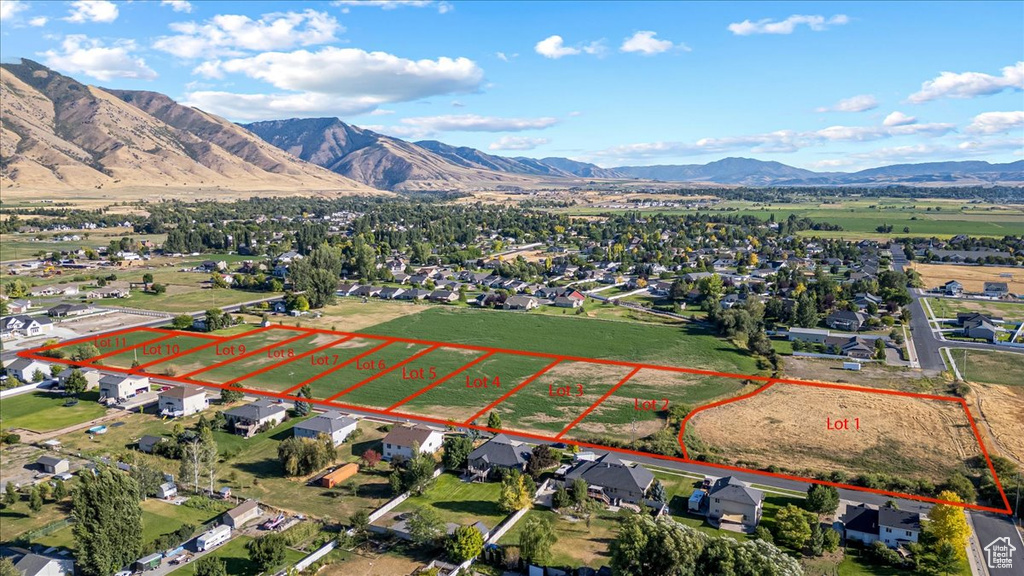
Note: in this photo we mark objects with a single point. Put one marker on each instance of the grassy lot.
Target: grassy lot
(153, 352)
(991, 367)
(179, 299)
(236, 558)
(356, 372)
(243, 339)
(43, 412)
(399, 384)
(459, 502)
(949, 307)
(577, 544)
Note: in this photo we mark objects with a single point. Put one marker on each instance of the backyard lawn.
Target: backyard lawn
(236, 559)
(989, 367)
(577, 545)
(42, 412)
(459, 502)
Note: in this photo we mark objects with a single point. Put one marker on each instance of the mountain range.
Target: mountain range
(57, 133)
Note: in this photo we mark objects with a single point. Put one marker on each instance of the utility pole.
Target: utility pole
(963, 370)
(1016, 507)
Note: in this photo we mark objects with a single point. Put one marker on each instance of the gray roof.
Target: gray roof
(609, 471)
(327, 423)
(729, 488)
(256, 411)
(407, 435)
(49, 460)
(32, 564)
(862, 518)
(22, 363)
(899, 519)
(498, 451)
(147, 442)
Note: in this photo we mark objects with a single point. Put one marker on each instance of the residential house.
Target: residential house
(981, 327)
(814, 335)
(24, 325)
(92, 377)
(520, 302)
(611, 481)
(852, 346)
(865, 299)
(181, 401)
(390, 293)
(567, 302)
(443, 296)
(39, 565)
(19, 306)
(995, 289)
(249, 419)
(846, 320)
(65, 310)
(332, 423)
(53, 464)
(113, 290)
(115, 388)
(734, 501)
(413, 294)
(952, 288)
(401, 439)
(346, 289)
(148, 443)
(244, 512)
(25, 369)
(498, 453)
(892, 527)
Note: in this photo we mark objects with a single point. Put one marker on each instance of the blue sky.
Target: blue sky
(826, 86)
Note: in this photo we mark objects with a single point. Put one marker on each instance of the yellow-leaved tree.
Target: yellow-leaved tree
(948, 523)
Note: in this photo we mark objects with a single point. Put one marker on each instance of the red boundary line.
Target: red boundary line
(82, 339)
(286, 361)
(383, 372)
(440, 381)
(598, 403)
(337, 367)
(96, 359)
(203, 347)
(32, 353)
(682, 425)
(509, 394)
(185, 333)
(260, 350)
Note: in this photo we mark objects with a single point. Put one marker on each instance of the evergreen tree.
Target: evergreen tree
(108, 527)
(494, 421)
(210, 566)
(302, 408)
(267, 551)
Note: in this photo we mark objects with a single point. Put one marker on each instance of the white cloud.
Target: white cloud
(92, 11)
(333, 81)
(506, 57)
(554, 47)
(457, 104)
(38, 21)
(969, 84)
(517, 143)
(997, 122)
(859, 103)
(233, 34)
(780, 141)
(83, 55)
(787, 26)
(8, 8)
(178, 5)
(476, 123)
(382, 112)
(443, 7)
(645, 43)
(898, 119)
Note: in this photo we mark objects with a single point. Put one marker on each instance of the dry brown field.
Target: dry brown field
(972, 277)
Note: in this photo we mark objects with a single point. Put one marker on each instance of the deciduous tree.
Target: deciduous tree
(465, 543)
(947, 523)
(536, 539)
(108, 526)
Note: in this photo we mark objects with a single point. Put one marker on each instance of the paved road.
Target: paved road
(989, 528)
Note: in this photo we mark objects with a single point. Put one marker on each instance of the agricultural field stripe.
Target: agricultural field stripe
(508, 394)
(203, 347)
(598, 403)
(438, 421)
(337, 367)
(82, 339)
(96, 359)
(984, 451)
(289, 360)
(194, 334)
(260, 350)
(695, 411)
(865, 389)
(441, 380)
(396, 366)
(555, 356)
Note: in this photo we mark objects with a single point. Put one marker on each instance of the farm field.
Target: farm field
(949, 307)
(236, 345)
(112, 345)
(156, 353)
(352, 380)
(972, 277)
(795, 427)
(991, 367)
(1002, 407)
(253, 359)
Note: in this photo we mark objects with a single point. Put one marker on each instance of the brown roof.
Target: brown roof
(408, 435)
(242, 509)
(181, 392)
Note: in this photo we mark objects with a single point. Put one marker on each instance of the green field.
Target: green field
(356, 372)
(237, 368)
(989, 367)
(236, 559)
(577, 544)
(300, 370)
(109, 344)
(43, 412)
(1011, 312)
(456, 501)
(237, 345)
(155, 352)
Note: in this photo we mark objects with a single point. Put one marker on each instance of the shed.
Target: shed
(696, 499)
(53, 465)
(150, 562)
(244, 512)
(167, 490)
(340, 475)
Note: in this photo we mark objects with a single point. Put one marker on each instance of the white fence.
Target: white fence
(21, 389)
(391, 505)
(309, 560)
(832, 356)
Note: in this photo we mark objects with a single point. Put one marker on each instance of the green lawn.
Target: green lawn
(236, 557)
(949, 307)
(189, 300)
(459, 502)
(577, 544)
(42, 412)
(989, 367)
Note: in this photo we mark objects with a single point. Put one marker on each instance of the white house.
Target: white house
(400, 441)
(331, 423)
(24, 325)
(180, 401)
(249, 419)
(891, 526)
(116, 388)
(24, 369)
(38, 565)
(92, 377)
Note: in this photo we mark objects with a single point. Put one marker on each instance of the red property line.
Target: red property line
(394, 367)
(337, 367)
(196, 334)
(82, 339)
(438, 421)
(261, 350)
(288, 361)
(682, 426)
(984, 452)
(596, 404)
(96, 359)
(508, 394)
(440, 381)
(203, 347)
